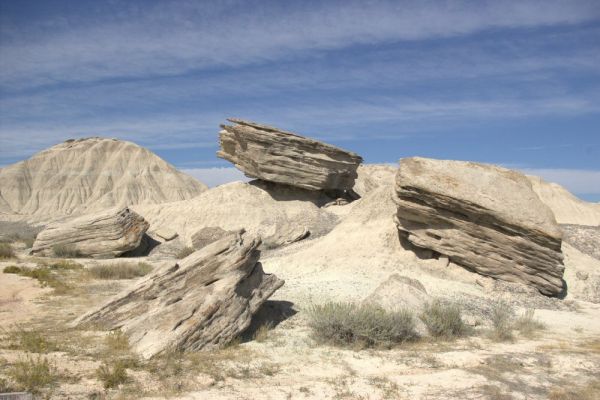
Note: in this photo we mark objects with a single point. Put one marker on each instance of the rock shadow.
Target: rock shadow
(146, 245)
(271, 314)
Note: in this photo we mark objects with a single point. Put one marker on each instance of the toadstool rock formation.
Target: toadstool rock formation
(200, 303)
(270, 154)
(100, 235)
(485, 218)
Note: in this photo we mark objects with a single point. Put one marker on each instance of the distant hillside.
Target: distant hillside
(85, 175)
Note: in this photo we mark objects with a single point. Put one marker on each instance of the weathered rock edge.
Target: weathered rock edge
(271, 154)
(201, 303)
(483, 217)
(99, 235)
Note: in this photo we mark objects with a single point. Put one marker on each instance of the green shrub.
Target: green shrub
(443, 320)
(366, 325)
(12, 269)
(527, 325)
(66, 251)
(502, 321)
(183, 253)
(32, 374)
(6, 250)
(120, 271)
(44, 276)
(30, 340)
(112, 374)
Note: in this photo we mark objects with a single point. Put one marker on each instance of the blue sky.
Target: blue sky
(510, 83)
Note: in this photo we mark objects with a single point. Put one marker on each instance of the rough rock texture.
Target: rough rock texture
(90, 175)
(202, 302)
(483, 217)
(586, 239)
(399, 292)
(208, 235)
(101, 235)
(274, 155)
(277, 213)
(567, 208)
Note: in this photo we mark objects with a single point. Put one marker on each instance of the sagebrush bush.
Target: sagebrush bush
(12, 269)
(65, 250)
(31, 341)
(112, 374)
(502, 321)
(6, 250)
(120, 270)
(33, 374)
(443, 319)
(186, 251)
(349, 324)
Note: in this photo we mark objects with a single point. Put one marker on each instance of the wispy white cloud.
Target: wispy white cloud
(171, 38)
(574, 180)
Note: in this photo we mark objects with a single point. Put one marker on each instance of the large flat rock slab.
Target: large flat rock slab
(483, 217)
(99, 235)
(271, 154)
(200, 303)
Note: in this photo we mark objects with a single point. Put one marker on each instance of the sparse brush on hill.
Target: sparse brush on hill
(120, 270)
(30, 340)
(6, 250)
(65, 250)
(366, 325)
(443, 320)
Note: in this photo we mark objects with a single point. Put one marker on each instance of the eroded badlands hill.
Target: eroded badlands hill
(86, 175)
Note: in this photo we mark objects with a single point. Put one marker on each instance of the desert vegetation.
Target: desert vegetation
(443, 320)
(65, 251)
(6, 250)
(122, 270)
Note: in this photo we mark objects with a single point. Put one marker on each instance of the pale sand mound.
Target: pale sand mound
(372, 176)
(88, 175)
(567, 208)
(278, 214)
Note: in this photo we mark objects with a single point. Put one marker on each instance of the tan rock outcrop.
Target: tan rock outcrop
(100, 235)
(200, 303)
(483, 217)
(270, 154)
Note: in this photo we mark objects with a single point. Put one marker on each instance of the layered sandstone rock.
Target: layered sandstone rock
(202, 302)
(99, 235)
(270, 154)
(483, 217)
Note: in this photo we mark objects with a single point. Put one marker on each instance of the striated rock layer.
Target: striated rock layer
(270, 154)
(203, 302)
(101, 235)
(483, 217)
(89, 175)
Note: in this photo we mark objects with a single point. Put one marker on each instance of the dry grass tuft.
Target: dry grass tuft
(590, 391)
(66, 251)
(6, 251)
(502, 321)
(443, 320)
(32, 341)
(32, 374)
(121, 270)
(527, 325)
(112, 374)
(365, 325)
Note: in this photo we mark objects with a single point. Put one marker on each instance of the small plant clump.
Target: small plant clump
(12, 269)
(112, 374)
(120, 271)
(6, 251)
(443, 320)
(33, 374)
(31, 341)
(66, 251)
(183, 253)
(365, 325)
(527, 325)
(502, 321)
(44, 275)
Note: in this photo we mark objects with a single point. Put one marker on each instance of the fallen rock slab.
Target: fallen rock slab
(485, 218)
(100, 235)
(271, 154)
(200, 303)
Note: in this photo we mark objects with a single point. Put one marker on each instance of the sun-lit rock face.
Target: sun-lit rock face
(89, 175)
(483, 217)
(270, 154)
